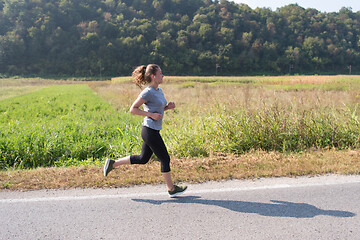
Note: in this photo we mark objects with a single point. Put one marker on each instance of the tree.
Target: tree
(192, 36)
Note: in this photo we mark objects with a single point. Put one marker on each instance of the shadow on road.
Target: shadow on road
(274, 209)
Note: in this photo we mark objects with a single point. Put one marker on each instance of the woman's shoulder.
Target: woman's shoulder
(146, 92)
(146, 89)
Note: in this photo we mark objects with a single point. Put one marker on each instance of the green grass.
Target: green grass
(62, 123)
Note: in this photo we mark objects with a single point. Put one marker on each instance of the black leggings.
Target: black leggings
(152, 143)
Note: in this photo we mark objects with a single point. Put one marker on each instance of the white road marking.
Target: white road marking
(189, 192)
(75, 198)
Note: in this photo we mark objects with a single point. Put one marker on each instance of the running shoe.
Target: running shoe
(177, 191)
(108, 166)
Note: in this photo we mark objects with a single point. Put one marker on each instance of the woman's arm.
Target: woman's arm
(171, 105)
(135, 109)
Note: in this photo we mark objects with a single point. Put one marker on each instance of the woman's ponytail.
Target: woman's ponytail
(142, 74)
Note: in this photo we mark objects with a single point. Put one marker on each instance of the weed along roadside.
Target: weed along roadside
(255, 164)
(57, 136)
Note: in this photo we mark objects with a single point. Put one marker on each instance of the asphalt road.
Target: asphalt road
(325, 207)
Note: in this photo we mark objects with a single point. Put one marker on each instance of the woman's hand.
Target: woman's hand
(156, 116)
(171, 105)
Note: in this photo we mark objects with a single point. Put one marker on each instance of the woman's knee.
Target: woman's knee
(144, 161)
(139, 159)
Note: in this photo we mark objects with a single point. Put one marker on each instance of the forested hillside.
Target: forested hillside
(186, 37)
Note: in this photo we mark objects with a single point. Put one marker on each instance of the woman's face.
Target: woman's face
(158, 77)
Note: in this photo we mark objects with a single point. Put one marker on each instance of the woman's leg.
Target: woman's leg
(155, 142)
(145, 154)
(157, 145)
(122, 161)
(143, 158)
(168, 181)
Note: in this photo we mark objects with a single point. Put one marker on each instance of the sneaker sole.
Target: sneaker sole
(176, 194)
(107, 162)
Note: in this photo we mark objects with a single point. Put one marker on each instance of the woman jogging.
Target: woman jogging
(155, 104)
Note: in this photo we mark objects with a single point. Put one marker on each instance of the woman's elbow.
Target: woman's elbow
(132, 110)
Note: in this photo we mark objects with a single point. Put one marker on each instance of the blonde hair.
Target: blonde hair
(142, 74)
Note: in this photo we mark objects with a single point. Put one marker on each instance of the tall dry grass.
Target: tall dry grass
(236, 117)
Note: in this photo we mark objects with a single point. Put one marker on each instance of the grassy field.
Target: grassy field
(55, 134)
(61, 125)
(290, 113)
